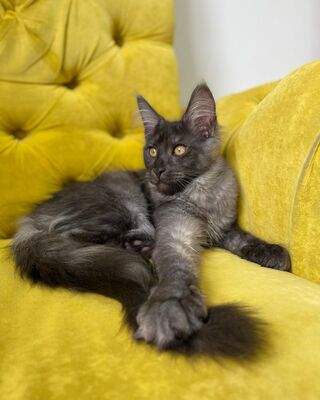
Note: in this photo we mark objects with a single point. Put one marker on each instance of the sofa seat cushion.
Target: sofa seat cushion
(59, 345)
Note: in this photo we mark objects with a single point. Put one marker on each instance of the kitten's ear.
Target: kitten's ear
(201, 111)
(149, 116)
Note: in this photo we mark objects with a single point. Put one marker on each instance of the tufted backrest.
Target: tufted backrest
(69, 72)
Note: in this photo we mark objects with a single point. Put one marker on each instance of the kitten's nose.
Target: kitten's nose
(159, 171)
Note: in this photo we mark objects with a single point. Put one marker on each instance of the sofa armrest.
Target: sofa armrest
(270, 136)
(234, 109)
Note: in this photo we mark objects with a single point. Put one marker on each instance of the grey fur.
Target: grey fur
(191, 214)
(94, 236)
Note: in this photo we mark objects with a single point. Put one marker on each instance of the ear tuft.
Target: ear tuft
(201, 111)
(149, 116)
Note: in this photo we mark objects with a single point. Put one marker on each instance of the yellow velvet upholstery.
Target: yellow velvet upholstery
(76, 64)
(68, 74)
(276, 156)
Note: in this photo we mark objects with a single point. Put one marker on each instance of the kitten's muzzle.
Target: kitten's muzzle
(158, 172)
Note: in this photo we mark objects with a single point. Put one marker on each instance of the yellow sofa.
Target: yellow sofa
(68, 74)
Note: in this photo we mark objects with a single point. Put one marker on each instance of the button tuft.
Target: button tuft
(118, 37)
(19, 134)
(72, 84)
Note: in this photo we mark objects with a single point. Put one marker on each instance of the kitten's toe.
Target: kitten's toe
(280, 258)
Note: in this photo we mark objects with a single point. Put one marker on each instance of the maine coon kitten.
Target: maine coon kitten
(97, 236)
(194, 196)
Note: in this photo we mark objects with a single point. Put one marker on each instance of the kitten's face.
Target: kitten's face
(174, 156)
(177, 152)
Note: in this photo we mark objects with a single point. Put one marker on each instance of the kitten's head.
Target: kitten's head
(177, 152)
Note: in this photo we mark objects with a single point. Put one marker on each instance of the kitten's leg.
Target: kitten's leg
(141, 237)
(251, 248)
(176, 308)
(100, 235)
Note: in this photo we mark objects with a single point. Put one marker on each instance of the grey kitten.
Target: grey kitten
(97, 236)
(194, 194)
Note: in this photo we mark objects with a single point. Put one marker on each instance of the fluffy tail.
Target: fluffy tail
(55, 260)
(231, 330)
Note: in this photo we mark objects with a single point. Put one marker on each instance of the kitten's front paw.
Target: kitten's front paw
(139, 242)
(269, 255)
(171, 315)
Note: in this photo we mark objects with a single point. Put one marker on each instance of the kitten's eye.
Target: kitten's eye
(153, 152)
(180, 150)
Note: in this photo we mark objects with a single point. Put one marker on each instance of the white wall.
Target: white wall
(237, 44)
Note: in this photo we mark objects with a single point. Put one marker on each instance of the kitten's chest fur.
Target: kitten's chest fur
(211, 197)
